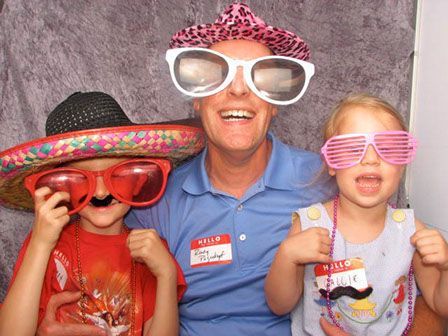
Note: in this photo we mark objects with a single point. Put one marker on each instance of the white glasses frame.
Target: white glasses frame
(233, 65)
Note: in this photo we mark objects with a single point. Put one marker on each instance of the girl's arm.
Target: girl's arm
(19, 313)
(145, 246)
(431, 267)
(284, 282)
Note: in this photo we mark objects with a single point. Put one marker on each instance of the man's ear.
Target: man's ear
(331, 171)
(196, 105)
(274, 110)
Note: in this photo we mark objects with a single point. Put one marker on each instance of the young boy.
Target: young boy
(105, 164)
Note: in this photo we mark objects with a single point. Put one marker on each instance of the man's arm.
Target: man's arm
(426, 322)
(154, 217)
(330, 329)
(51, 327)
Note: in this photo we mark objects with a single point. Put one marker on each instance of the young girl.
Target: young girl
(354, 259)
(129, 282)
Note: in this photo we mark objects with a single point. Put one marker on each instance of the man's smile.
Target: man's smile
(236, 115)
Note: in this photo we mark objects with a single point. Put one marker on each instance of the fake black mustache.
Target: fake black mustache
(96, 202)
(347, 291)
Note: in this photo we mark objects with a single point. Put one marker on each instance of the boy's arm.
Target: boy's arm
(24, 294)
(146, 247)
(431, 267)
(284, 282)
(165, 320)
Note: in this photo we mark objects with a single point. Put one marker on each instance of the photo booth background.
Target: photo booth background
(50, 49)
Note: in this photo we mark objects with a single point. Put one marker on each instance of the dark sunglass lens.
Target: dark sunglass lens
(278, 79)
(200, 71)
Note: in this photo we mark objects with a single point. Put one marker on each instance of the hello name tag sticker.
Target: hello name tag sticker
(346, 272)
(213, 250)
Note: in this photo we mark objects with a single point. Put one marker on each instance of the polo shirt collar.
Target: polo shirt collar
(280, 166)
(277, 174)
(197, 182)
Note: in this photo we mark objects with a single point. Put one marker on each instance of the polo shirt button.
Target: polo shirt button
(240, 207)
(242, 237)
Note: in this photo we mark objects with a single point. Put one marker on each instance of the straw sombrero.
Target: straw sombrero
(88, 125)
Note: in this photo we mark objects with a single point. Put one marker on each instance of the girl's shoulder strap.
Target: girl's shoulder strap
(401, 218)
(313, 216)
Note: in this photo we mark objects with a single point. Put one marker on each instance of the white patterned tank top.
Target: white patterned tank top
(386, 261)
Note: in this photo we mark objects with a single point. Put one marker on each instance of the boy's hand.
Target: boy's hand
(432, 247)
(310, 245)
(49, 220)
(146, 247)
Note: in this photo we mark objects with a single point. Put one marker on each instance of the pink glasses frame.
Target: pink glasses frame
(344, 151)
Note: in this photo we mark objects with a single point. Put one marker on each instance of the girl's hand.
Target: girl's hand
(49, 220)
(146, 247)
(309, 246)
(432, 248)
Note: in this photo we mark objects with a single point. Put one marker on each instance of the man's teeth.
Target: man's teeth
(237, 115)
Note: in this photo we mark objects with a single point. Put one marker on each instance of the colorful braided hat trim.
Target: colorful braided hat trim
(175, 142)
(237, 22)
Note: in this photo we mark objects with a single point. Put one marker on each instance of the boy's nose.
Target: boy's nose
(101, 190)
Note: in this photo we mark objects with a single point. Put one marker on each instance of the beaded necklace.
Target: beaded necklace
(329, 309)
(81, 280)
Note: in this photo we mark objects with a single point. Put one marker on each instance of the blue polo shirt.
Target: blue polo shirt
(225, 245)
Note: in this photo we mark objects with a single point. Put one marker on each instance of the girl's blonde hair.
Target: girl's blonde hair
(359, 99)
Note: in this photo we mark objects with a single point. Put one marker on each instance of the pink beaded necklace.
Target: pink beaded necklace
(329, 309)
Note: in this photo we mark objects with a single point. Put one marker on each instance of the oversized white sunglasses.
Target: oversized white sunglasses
(200, 72)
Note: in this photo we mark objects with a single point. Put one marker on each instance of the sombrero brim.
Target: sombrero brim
(175, 142)
(281, 42)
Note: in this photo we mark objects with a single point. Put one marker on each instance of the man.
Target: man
(225, 212)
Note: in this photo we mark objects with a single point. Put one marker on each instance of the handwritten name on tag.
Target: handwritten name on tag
(213, 250)
(347, 272)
